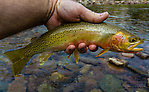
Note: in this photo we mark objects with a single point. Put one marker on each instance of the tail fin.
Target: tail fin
(18, 59)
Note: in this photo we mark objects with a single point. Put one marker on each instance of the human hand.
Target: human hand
(70, 11)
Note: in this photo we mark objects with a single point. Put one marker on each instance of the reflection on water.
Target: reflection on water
(91, 74)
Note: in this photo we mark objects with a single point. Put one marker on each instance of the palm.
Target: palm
(70, 11)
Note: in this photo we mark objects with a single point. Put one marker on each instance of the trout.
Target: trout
(107, 36)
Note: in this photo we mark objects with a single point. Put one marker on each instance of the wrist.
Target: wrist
(51, 9)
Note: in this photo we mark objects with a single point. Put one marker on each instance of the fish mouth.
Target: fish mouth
(133, 47)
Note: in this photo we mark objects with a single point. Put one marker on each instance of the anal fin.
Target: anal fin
(76, 55)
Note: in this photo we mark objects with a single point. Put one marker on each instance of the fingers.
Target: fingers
(70, 49)
(90, 16)
(82, 48)
(93, 47)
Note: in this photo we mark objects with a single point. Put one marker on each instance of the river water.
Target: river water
(92, 74)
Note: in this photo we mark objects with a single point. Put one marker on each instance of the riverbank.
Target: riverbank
(112, 2)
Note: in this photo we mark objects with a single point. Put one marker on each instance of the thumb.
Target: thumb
(90, 16)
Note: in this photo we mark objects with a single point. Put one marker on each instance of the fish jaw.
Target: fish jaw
(132, 47)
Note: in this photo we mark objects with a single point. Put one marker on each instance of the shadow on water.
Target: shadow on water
(92, 74)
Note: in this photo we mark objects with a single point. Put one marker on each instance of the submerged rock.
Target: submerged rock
(74, 87)
(73, 67)
(91, 61)
(85, 69)
(96, 73)
(129, 55)
(3, 86)
(117, 61)
(141, 90)
(56, 77)
(142, 55)
(111, 68)
(45, 87)
(110, 84)
(32, 83)
(95, 90)
(90, 84)
(18, 85)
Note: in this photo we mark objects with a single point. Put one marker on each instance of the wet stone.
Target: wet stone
(117, 62)
(142, 55)
(85, 69)
(3, 86)
(90, 84)
(18, 85)
(82, 78)
(56, 77)
(31, 84)
(72, 67)
(110, 84)
(129, 55)
(96, 73)
(91, 61)
(111, 68)
(68, 88)
(141, 90)
(74, 87)
(95, 90)
(45, 87)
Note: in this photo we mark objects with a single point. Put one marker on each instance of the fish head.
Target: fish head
(125, 42)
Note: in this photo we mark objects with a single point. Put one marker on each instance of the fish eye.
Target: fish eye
(132, 39)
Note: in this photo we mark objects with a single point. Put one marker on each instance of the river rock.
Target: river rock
(18, 85)
(85, 69)
(95, 90)
(96, 73)
(142, 55)
(56, 77)
(90, 84)
(117, 61)
(110, 84)
(74, 87)
(32, 84)
(73, 67)
(91, 61)
(129, 55)
(3, 86)
(69, 88)
(45, 87)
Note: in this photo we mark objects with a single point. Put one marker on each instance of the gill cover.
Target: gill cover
(119, 42)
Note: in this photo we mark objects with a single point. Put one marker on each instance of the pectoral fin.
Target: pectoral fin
(44, 57)
(76, 55)
(102, 52)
